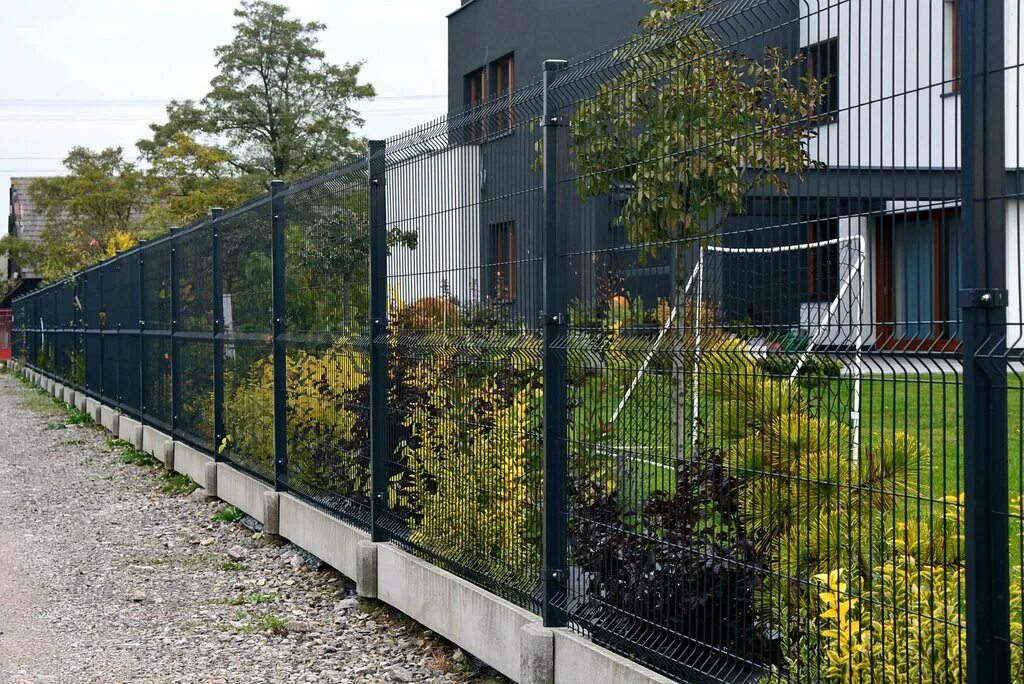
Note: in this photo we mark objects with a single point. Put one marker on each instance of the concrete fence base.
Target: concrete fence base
(505, 636)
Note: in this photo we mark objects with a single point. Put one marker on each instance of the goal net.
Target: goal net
(797, 309)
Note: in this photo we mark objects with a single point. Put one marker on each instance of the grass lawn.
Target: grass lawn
(927, 407)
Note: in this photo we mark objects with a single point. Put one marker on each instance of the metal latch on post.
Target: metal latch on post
(983, 298)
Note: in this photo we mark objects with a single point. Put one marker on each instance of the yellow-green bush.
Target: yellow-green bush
(471, 464)
(323, 448)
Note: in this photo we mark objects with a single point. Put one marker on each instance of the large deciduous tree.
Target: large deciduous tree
(276, 108)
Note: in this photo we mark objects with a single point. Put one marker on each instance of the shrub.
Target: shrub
(470, 462)
(430, 313)
(682, 572)
(322, 417)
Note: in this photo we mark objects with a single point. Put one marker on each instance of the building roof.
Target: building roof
(27, 222)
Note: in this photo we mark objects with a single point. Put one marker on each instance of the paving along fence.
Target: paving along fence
(704, 347)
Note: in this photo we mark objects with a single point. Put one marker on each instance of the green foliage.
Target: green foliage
(130, 455)
(229, 514)
(275, 108)
(91, 213)
(323, 447)
(902, 625)
(473, 453)
(75, 417)
(76, 365)
(177, 484)
(676, 125)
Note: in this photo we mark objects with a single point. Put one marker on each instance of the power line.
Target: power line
(154, 103)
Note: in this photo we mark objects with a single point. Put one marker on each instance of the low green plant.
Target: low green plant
(233, 566)
(254, 599)
(177, 484)
(130, 455)
(229, 514)
(76, 417)
(273, 624)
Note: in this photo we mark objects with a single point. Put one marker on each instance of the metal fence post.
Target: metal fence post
(142, 337)
(117, 337)
(218, 333)
(175, 297)
(983, 303)
(280, 330)
(555, 564)
(379, 419)
(101, 331)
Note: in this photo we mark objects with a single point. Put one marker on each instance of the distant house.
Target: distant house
(27, 222)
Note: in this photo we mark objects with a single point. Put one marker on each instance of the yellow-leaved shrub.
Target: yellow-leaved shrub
(323, 412)
(471, 468)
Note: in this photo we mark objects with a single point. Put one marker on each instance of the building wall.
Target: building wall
(436, 196)
(897, 108)
(482, 31)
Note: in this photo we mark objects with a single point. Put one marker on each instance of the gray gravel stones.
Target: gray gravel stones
(105, 579)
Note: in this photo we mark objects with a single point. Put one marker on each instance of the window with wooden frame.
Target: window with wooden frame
(504, 86)
(823, 262)
(504, 260)
(476, 96)
(821, 61)
(952, 47)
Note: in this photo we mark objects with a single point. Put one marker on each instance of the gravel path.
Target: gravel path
(104, 577)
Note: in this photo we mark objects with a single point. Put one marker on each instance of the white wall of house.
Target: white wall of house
(896, 103)
(436, 196)
(897, 110)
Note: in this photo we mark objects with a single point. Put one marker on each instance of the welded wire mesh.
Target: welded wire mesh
(464, 287)
(157, 406)
(760, 221)
(248, 331)
(193, 344)
(326, 286)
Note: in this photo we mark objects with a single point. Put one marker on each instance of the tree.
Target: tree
(689, 129)
(188, 177)
(276, 109)
(91, 213)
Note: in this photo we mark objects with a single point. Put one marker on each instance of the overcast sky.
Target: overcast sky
(84, 72)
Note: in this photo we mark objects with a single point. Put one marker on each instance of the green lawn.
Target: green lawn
(928, 407)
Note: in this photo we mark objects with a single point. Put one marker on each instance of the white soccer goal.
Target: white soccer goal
(852, 277)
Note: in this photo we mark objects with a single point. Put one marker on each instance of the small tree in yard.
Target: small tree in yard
(690, 129)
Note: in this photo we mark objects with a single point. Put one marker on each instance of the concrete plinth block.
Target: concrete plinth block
(90, 407)
(366, 569)
(241, 490)
(188, 461)
(109, 419)
(480, 622)
(536, 654)
(97, 414)
(153, 442)
(126, 429)
(271, 513)
(80, 402)
(168, 454)
(324, 535)
(580, 661)
(211, 479)
(137, 438)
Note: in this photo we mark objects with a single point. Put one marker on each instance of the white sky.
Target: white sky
(83, 72)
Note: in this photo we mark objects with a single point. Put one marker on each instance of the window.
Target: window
(822, 63)
(476, 95)
(952, 46)
(504, 85)
(505, 260)
(823, 262)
